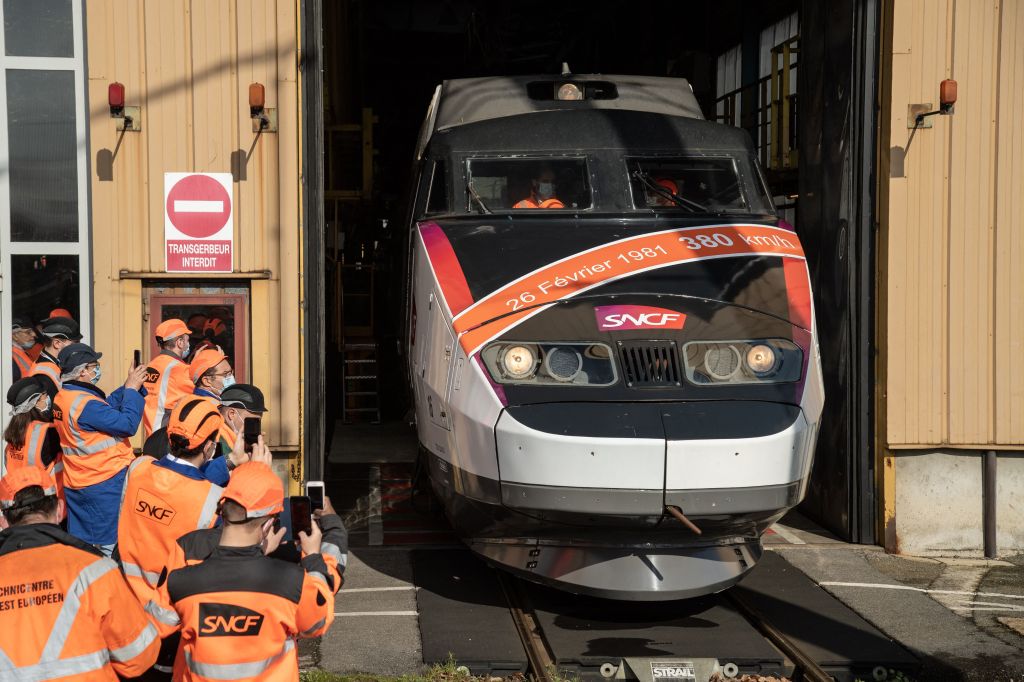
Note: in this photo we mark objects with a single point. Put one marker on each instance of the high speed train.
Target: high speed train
(611, 339)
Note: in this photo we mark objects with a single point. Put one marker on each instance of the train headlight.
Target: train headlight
(563, 364)
(569, 91)
(518, 362)
(762, 361)
(540, 363)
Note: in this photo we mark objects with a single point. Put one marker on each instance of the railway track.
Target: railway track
(543, 664)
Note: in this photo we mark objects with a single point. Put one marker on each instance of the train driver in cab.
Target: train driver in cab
(542, 191)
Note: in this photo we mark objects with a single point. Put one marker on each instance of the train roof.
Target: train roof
(470, 100)
(522, 113)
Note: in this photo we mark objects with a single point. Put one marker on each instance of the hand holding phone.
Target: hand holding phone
(137, 359)
(315, 493)
(251, 432)
(301, 516)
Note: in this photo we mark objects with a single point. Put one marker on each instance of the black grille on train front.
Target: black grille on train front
(649, 363)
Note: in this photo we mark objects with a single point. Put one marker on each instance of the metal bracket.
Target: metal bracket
(133, 117)
(265, 122)
(913, 111)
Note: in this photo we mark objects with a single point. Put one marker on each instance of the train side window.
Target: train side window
(437, 199)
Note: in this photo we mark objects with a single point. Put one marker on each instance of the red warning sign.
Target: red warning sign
(198, 225)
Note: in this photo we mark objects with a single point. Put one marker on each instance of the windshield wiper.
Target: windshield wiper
(682, 202)
(476, 197)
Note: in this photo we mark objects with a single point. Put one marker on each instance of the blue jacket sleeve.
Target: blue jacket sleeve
(216, 471)
(120, 417)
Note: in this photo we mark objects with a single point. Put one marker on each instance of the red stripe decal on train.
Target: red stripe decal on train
(447, 270)
(515, 302)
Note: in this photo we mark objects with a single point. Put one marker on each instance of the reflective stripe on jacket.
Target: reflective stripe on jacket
(167, 381)
(158, 506)
(66, 612)
(42, 449)
(547, 203)
(47, 368)
(22, 360)
(92, 456)
(261, 604)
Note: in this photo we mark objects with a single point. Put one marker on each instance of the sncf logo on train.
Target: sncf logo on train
(625, 317)
(228, 620)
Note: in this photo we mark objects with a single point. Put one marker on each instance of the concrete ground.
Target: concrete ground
(963, 618)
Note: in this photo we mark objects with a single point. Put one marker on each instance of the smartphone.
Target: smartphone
(301, 515)
(137, 359)
(315, 493)
(251, 432)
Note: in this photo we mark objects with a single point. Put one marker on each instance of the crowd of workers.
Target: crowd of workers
(153, 566)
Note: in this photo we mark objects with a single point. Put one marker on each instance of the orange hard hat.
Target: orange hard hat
(60, 312)
(205, 360)
(24, 477)
(194, 419)
(668, 184)
(170, 329)
(256, 487)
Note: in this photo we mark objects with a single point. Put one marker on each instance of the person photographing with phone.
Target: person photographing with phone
(94, 429)
(263, 604)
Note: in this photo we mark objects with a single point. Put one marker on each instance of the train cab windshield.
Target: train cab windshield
(521, 183)
(698, 185)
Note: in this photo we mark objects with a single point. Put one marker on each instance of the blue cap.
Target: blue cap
(76, 354)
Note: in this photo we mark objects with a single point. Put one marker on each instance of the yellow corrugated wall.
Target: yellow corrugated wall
(189, 64)
(952, 225)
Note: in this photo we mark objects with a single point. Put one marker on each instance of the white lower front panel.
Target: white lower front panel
(739, 463)
(526, 455)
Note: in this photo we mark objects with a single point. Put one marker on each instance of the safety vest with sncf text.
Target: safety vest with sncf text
(66, 612)
(41, 449)
(240, 613)
(90, 457)
(159, 505)
(167, 382)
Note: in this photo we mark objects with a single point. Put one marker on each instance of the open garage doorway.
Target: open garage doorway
(799, 76)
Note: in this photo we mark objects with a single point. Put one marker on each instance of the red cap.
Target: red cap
(24, 477)
(256, 487)
(171, 329)
(60, 312)
(205, 360)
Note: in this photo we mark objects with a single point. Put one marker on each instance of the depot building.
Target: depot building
(243, 165)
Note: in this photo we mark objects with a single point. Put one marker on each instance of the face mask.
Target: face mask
(46, 412)
(545, 190)
(186, 349)
(228, 380)
(27, 345)
(98, 372)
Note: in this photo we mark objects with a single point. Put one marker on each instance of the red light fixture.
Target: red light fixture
(115, 98)
(257, 99)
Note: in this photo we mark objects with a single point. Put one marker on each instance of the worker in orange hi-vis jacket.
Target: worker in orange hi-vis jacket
(32, 439)
(56, 333)
(167, 375)
(261, 604)
(65, 610)
(166, 498)
(542, 192)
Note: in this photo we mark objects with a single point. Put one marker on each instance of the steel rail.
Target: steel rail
(809, 669)
(542, 663)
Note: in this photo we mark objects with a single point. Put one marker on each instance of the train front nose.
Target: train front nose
(595, 478)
